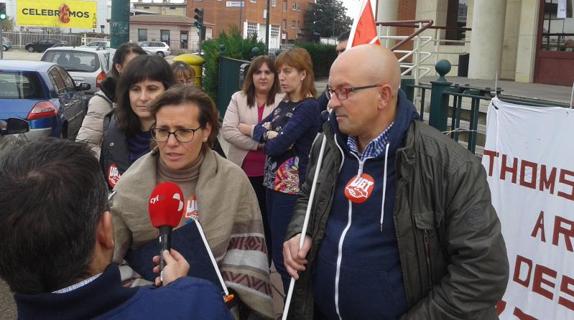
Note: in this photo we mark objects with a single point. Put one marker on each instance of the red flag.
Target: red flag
(364, 29)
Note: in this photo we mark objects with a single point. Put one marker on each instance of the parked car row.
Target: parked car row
(43, 94)
(42, 45)
(85, 64)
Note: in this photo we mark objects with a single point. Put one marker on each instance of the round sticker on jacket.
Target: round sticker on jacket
(113, 175)
(359, 188)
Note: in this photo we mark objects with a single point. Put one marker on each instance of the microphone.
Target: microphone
(165, 211)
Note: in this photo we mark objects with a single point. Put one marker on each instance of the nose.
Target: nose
(144, 95)
(334, 102)
(171, 140)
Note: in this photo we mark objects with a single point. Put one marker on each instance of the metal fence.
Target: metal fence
(20, 39)
(460, 111)
(228, 81)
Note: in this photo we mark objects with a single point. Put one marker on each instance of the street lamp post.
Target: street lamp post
(267, 31)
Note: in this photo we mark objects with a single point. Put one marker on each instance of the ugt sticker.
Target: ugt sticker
(360, 188)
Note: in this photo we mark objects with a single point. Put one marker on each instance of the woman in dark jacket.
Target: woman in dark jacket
(104, 100)
(288, 133)
(127, 131)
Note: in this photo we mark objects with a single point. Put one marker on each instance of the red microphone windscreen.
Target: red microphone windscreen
(166, 205)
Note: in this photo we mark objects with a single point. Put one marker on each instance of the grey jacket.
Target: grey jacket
(453, 256)
(92, 129)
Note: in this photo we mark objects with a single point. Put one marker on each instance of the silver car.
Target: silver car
(156, 47)
(87, 65)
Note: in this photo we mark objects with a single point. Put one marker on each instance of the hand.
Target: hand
(246, 129)
(295, 258)
(272, 134)
(175, 267)
(267, 125)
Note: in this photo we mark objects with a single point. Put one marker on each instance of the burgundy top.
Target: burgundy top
(255, 159)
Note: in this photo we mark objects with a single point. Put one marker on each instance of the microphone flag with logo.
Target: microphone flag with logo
(165, 211)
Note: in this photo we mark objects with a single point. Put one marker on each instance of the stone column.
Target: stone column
(526, 53)
(488, 21)
(387, 10)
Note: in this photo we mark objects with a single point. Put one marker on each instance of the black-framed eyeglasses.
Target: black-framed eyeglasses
(343, 93)
(182, 135)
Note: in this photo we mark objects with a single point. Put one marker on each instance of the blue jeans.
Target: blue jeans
(279, 212)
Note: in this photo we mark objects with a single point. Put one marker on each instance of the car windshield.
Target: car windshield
(73, 60)
(20, 85)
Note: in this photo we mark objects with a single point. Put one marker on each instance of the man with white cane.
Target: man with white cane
(401, 223)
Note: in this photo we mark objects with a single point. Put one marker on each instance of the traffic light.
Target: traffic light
(3, 15)
(198, 19)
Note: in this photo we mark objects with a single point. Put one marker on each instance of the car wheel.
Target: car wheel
(4, 48)
(30, 49)
(161, 54)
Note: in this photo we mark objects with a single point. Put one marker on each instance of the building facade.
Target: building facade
(286, 19)
(520, 40)
(177, 31)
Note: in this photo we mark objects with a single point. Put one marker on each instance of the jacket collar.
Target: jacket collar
(406, 114)
(91, 300)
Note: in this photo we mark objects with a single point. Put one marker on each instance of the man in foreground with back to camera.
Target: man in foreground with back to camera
(402, 224)
(56, 245)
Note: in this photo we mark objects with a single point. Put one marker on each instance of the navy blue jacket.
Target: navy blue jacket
(106, 298)
(358, 273)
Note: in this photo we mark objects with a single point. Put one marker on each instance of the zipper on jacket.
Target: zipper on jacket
(341, 241)
(426, 239)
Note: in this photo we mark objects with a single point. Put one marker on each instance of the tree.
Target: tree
(326, 18)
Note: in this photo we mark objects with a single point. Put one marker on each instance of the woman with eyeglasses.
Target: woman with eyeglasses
(216, 193)
(257, 99)
(288, 133)
(127, 134)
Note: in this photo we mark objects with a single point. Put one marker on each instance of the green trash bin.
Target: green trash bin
(196, 62)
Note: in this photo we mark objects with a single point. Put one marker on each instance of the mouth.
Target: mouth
(171, 156)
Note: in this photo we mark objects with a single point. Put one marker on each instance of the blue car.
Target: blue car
(44, 94)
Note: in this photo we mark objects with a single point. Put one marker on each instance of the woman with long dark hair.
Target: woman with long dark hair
(127, 136)
(104, 100)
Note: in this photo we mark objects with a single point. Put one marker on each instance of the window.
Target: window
(251, 29)
(274, 31)
(284, 24)
(273, 3)
(183, 39)
(293, 24)
(164, 36)
(295, 6)
(456, 20)
(253, 1)
(285, 5)
(558, 26)
(142, 34)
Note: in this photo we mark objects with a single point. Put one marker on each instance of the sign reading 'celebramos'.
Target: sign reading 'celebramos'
(56, 14)
(529, 161)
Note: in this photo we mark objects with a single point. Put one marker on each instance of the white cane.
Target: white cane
(305, 222)
(227, 297)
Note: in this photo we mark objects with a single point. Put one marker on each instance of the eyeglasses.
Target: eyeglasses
(181, 135)
(343, 93)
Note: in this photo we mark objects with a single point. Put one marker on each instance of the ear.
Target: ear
(118, 67)
(105, 231)
(303, 75)
(206, 132)
(385, 95)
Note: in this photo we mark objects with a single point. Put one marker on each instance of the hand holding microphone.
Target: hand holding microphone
(175, 267)
(165, 211)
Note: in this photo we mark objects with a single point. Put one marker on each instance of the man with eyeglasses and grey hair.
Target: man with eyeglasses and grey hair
(402, 224)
